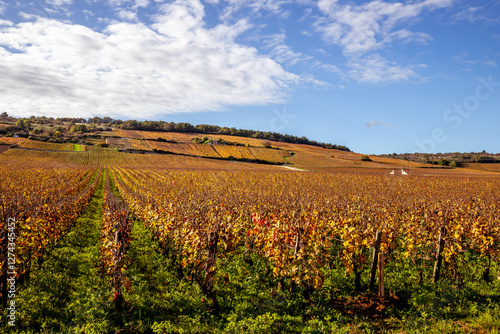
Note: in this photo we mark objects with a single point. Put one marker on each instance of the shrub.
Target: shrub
(78, 128)
(365, 158)
(443, 162)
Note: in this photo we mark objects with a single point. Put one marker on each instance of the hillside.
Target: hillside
(100, 144)
(74, 129)
(127, 148)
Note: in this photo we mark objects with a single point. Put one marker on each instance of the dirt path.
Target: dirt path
(295, 168)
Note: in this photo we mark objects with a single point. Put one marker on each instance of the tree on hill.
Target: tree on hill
(23, 123)
(78, 128)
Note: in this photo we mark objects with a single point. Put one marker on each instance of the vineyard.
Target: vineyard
(36, 145)
(297, 222)
(177, 143)
(102, 241)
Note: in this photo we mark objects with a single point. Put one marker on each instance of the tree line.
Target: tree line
(453, 159)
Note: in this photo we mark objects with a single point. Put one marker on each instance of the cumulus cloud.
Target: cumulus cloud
(134, 70)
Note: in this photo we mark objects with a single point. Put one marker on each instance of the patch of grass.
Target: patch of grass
(67, 292)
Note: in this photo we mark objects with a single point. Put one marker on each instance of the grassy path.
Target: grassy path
(157, 298)
(67, 294)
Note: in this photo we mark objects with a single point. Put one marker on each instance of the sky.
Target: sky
(376, 76)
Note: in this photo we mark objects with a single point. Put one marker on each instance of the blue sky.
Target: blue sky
(376, 76)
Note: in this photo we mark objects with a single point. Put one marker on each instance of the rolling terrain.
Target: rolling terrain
(132, 148)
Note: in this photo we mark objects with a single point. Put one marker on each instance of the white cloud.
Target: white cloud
(232, 7)
(257, 5)
(326, 67)
(376, 69)
(117, 3)
(141, 4)
(28, 16)
(360, 30)
(133, 70)
(490, 62)
(88, 13)
(283, 53)
(378, 123)
(127, 5)
(474, 14)
(407, 36)
(5, 23)
(127, 15)
(463, 58)
(58, 3)
(3, 7)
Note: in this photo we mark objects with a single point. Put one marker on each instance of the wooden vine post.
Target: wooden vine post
(117, 274)
(439, 257)
(381, 265)
(293, 284)
(376, 248)
(210, 269)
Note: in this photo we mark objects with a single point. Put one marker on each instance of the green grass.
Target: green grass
(77, 147)
(67, 293)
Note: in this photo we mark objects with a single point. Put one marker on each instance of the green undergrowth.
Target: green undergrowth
(67, 292)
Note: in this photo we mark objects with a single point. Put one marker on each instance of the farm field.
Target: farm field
(38, 145)
(483, 167)
(247, 149)
(105, 241)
